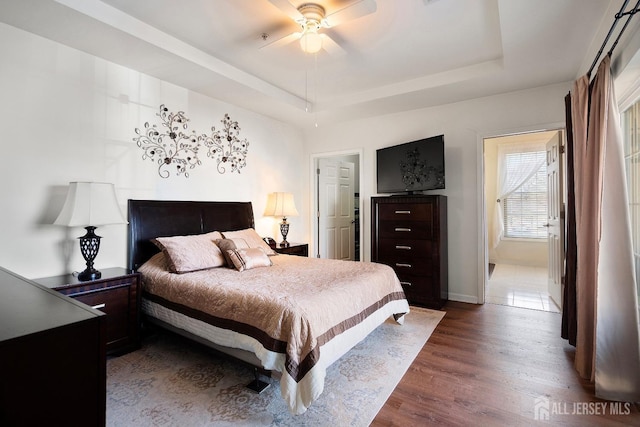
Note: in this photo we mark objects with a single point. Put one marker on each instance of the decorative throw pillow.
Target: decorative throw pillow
(227, 245)
(246, 259)
(191, 253)
(252, 238)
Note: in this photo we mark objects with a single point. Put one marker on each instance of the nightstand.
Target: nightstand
(299, 249)
(117, 293)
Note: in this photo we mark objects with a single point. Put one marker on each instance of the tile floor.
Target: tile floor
(520, 286)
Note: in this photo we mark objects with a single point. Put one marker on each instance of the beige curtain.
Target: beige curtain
(588, 173)
(607, 342)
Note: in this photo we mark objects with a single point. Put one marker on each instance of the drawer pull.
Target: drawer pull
(405, 283)
(399, 264)
(404, 247)
(404, 212)
(103, 305)
(402, 229)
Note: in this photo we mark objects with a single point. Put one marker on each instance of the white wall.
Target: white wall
(464, 125)
(69, 116)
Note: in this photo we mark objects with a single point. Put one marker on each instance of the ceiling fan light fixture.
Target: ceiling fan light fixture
(313, 14)
(311, 42)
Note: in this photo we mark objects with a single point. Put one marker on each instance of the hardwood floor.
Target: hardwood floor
(489, 365)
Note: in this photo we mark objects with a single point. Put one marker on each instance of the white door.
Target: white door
(555, 221)
(335, 209)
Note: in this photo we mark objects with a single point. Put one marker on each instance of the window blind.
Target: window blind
(525, 209)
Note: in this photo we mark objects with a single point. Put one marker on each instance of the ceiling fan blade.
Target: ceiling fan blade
(331, 46)
(281, 41)
(355, 10)
(286, 7)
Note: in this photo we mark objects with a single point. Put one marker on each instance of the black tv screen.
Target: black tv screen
(411, 167)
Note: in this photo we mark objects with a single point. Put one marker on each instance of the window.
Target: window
(525, 208)
(631, 141)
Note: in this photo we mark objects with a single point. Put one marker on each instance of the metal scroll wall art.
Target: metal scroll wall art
(176, 149)
(415, 170)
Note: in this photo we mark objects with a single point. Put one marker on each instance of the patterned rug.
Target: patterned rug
(171, 381)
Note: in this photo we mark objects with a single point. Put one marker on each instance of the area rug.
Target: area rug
(171, 381)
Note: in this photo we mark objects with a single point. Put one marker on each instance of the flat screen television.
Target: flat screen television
(412, 167)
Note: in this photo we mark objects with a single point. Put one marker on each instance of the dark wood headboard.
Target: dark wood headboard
(160, 218)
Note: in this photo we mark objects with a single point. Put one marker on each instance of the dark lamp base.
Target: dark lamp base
(89, 247)
(284, 230)
(89, 274)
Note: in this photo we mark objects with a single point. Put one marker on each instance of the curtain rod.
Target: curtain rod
(618, 16)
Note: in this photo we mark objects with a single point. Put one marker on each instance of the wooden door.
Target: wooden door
(335, 209)
(555, 220)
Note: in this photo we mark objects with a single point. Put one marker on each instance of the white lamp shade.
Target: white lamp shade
(281, 204)
(90, 204)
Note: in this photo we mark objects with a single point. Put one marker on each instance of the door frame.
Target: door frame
(313, 190)
(483, 239)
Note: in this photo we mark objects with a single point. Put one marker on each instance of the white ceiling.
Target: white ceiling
(407, 54)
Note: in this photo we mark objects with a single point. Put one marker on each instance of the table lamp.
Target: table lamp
(281, 205)
(90, 204)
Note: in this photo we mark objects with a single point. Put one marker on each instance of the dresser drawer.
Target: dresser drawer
(410, 249)
(405, 229)
(409, 266)
(115, 302)
(406, 212)
(421, 289)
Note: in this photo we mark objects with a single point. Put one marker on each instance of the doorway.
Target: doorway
(523, 204)
(337, 231)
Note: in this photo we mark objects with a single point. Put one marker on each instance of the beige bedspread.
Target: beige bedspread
(293, 307)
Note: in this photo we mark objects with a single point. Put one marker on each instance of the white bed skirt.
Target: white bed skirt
(298, 395)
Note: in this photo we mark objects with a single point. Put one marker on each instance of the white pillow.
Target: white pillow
(191, 253)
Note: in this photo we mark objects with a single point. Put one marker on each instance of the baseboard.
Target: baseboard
(463, 298)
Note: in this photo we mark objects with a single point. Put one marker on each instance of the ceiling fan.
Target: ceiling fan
(312, 18)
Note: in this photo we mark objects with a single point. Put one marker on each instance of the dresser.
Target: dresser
(52, 357)
(117, 293)
(409, 233)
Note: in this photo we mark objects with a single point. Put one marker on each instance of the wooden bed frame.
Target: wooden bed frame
(149, 219)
